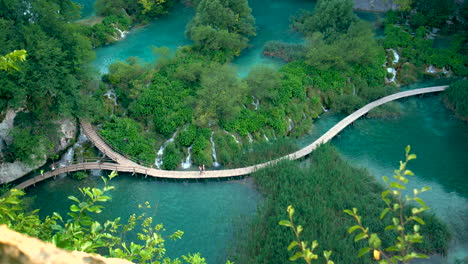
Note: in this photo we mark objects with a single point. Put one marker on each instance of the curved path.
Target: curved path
(124, 164)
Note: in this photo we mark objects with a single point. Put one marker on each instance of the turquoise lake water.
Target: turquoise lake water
(208, 211)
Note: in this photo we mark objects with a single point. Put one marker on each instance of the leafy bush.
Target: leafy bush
(171, 157)
(457, 97)
(126, 135)
(186, 137)
(80, 175)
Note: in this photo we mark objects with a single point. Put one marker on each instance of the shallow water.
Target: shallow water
(272, 21)
(167, 31)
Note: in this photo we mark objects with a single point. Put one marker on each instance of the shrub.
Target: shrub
(457, 98)
(171, 157)
(80, 175)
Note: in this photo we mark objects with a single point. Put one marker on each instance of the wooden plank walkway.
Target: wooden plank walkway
(126, 165)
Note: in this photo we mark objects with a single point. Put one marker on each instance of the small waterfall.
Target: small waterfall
(431, 69)
(266, 138)
(213, 151)
(396, 57)
(290, 125)
(274, 134)
(68, 157)
(233, 136)
(393, 72)
(122, 34)
(255, 102)
(111, 95)
(158, 161)
(324, 109)
(187, 163)
(250, 138)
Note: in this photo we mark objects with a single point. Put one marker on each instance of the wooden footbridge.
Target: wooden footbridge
(125, 164)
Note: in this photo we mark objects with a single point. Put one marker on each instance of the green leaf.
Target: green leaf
(397, 185)
(292, 245)
(425, 189)
(57, 215)
(299, 229)
(420, 201)
(418, 255)
(74, 208)
(411, 156)
(407, 149)
(363, 251)
(296, 256)
(419, 220)
(327, 254)
(408, 172)
(385, 193)
(290, 211)
(374, 241)
(360, 236)
(73, 198)
(285, 223)
(353, 228)
(349, 212)
(384, 212)
(392, 248)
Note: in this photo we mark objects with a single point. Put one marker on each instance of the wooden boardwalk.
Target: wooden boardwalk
(124, 164)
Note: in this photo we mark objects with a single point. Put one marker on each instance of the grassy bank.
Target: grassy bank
(320, 191)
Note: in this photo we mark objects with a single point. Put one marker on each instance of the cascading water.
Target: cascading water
(233, 136)
(431, 69)
(290, 125)
(213, 151)
(250, 138)
(188, 162)
(255, 102)
(122, 34)
(266, 138)
(158, 161)
(111, 95)
(67, 158)
(396, 57)
(324, 109)
(392, 70)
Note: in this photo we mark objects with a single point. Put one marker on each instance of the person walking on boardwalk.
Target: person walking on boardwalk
(201, 169)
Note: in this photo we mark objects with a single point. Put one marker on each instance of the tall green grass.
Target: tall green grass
(319, 192)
